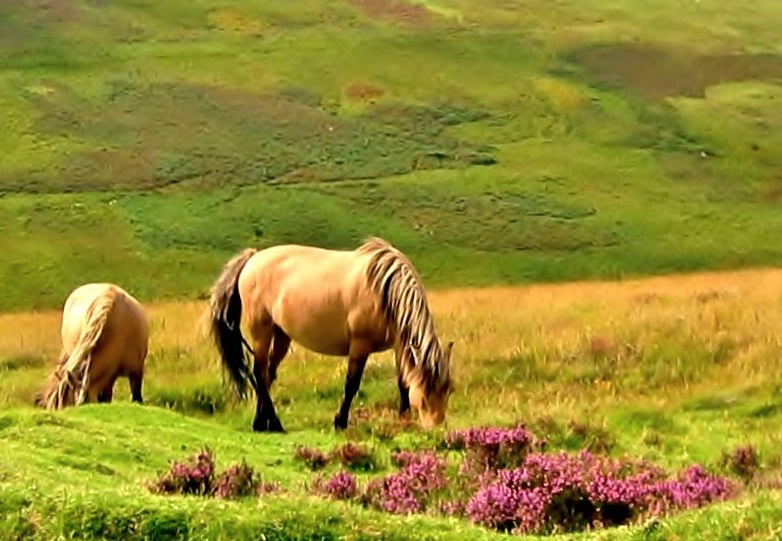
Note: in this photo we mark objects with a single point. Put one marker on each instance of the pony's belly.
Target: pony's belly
(318, 341)
(318, 331)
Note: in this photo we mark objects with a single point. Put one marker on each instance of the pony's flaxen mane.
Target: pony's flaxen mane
(403, 299)
(73, 370)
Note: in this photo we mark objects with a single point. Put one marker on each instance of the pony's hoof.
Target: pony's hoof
(340, 423)
(260, 425)
(276, 426)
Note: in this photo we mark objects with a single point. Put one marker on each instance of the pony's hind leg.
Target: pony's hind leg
(136, 380)
(356, 364)
(280, 346)
(265, 416)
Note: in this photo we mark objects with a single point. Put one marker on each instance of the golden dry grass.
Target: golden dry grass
(569, 350)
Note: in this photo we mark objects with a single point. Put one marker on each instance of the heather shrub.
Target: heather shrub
(237, 481)
(196, 475)
(315, 459)
(341, 486)
(356, 457)
(506, 483)
(410, 489)
(562, 492)
(742, 461)
(193, 476)
(492, 448)
(452, 508)
(694, 487)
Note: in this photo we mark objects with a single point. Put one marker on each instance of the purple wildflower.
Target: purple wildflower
(408, 490)
(237, 481)
(490, 448)
(571, 492)
(195, 476)
(342, 486)
(742, 461)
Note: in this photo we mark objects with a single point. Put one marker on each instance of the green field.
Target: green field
(677, 371)
(496, 142)
(503, 142)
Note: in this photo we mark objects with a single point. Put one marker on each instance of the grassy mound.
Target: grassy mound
(82, 472)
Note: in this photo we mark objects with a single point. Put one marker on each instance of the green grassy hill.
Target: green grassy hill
(496, 142)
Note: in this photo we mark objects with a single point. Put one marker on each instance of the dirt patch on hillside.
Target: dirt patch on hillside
(775, 193)
(364, 92)
(657, 73)
(411, 14)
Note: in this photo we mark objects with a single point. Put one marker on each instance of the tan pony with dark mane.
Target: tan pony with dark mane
(105, 335)
(334, 302)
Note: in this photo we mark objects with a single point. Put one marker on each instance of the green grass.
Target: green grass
(98, 492)
(82, 472)
(676, 371)
(500, 143)
(509, 142)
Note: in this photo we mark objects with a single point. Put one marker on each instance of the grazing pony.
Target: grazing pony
(105, 335)
(333, 302)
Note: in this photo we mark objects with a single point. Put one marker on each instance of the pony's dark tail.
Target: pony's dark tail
(225, 317)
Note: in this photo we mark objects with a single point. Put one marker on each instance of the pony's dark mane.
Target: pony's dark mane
(403, 300)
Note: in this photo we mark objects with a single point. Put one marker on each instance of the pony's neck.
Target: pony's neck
(403, 300)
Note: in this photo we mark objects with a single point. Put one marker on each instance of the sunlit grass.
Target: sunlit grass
(572, 349)
(673, 369)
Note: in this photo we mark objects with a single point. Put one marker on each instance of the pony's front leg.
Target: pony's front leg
(356, 365)
(404, 396)
(106, 395)
(404, 390)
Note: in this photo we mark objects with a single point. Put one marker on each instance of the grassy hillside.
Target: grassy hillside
(496, 142)
(675, 370)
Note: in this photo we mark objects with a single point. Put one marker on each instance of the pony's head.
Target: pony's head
(60, 392)
(430, 396)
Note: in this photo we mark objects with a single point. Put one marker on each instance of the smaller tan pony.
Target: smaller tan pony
(335, 302)
(105, 335)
